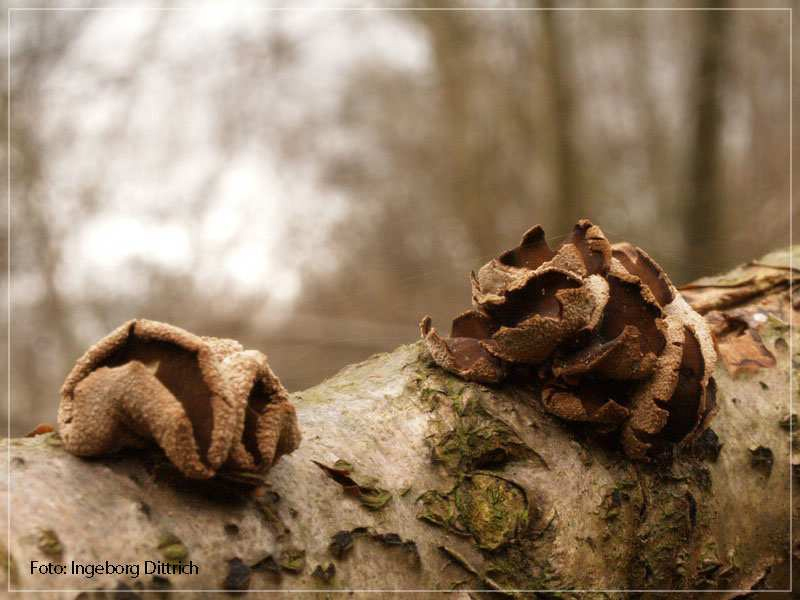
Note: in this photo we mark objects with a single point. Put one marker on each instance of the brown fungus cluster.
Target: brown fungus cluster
(207, 402)
(600, 326)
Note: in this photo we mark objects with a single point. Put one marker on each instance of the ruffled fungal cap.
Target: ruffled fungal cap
(206, 402)
(602, 327)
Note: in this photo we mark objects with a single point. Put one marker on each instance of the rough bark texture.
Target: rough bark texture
(473, 487)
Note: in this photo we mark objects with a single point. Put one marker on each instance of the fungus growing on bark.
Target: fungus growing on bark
(207, 402)
(600, 326)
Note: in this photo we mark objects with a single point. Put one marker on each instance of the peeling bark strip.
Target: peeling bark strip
(207, 402)
(600, 327)
(526, 502)
(363, 488)
(745, 311)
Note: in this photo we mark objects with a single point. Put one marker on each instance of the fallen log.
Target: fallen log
(411, 479)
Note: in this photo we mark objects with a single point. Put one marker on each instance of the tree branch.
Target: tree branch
(486, 491)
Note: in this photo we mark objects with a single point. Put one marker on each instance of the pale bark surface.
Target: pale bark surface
(525, 502)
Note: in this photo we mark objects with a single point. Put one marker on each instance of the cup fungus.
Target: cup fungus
(600, 327)
(207, 402)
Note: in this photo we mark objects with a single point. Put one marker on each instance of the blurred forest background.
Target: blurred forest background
(313, 182)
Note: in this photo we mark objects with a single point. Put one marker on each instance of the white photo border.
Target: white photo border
(11, 10)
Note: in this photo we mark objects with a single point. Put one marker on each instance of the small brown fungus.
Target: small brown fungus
(462, 355)
(601, 327)
(207, 402)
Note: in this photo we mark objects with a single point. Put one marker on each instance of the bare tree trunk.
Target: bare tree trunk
(452, 36)
(702, 199)
(569, 203)
(474, 488)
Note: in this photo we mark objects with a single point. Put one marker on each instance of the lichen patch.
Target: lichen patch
(363, 487)
(489, 508)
